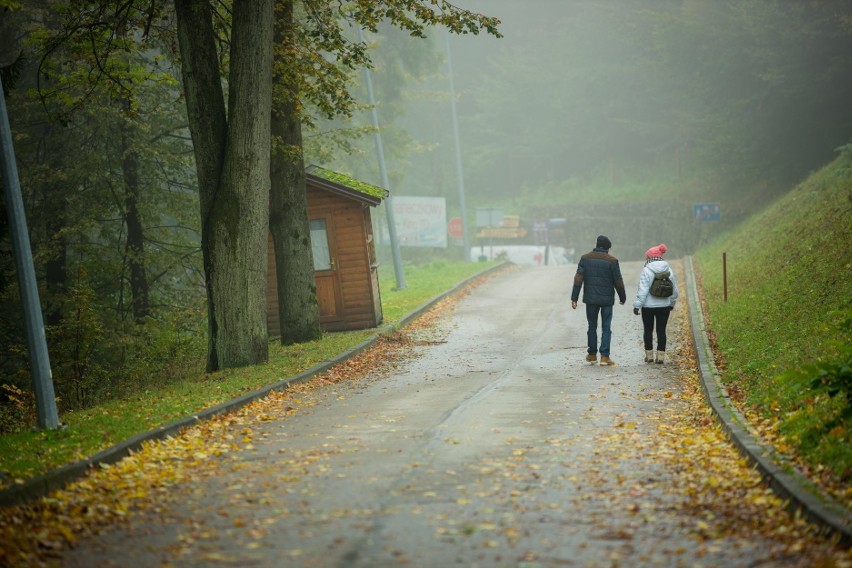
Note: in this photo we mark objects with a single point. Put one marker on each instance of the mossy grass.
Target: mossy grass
(789, 275)
(30, 453)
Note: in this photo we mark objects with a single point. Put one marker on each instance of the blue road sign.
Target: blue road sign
(706, 212)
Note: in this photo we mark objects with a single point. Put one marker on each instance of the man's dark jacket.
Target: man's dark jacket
(599, 275)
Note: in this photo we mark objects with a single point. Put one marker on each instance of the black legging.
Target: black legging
(650, 316)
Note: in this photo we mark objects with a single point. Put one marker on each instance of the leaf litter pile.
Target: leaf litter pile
(711, 483)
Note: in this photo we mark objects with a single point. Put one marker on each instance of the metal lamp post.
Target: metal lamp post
(34, 322)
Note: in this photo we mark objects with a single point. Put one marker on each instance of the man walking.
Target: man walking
(601, 275)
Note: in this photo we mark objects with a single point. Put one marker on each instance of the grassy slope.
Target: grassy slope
(25, 454)
(789, 278)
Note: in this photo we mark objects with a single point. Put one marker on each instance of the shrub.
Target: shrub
(831, 372)
(17, 409)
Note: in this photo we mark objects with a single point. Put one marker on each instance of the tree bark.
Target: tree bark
(135, 242)
(232, 158)
(56, 267)
(288, 220)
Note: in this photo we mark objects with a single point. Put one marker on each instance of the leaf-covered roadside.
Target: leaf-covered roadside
(35, 533)
(159, 401)
(726, 494)
(30, 453)
(713, 483)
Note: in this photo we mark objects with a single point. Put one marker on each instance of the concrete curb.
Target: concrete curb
(800, 493)
(58, 478)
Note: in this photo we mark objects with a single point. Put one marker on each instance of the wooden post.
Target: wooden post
(725, 274)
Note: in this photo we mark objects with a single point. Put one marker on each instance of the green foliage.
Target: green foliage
(17, 407)
(91, 366)
(74, 342)
(789, 300)
(323, 56)
(831, 373)
(165, 349)
(83, 108)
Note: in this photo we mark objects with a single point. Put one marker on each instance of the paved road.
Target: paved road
(492, 447)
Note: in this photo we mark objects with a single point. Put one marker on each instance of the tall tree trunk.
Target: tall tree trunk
(135, 243)
(208, 126)
(288, 219)
(56, 267)
(232, 158)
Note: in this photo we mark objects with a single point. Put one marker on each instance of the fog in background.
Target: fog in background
(617, 109)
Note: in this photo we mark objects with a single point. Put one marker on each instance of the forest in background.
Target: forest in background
(127, 266)
(579, 102)
(589, 102)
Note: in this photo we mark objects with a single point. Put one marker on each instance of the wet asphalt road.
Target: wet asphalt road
(489, 448)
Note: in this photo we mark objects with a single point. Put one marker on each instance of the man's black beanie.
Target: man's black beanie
(603, 243)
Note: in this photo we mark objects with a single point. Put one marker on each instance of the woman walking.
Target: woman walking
(656, 296)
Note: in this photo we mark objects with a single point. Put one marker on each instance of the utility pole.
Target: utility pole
(380, 152)
(459, 171)
(48, 418)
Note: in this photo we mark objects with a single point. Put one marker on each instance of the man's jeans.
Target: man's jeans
(606, 331)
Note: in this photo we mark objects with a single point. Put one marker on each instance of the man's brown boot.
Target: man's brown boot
(605, 360)
(592, 358)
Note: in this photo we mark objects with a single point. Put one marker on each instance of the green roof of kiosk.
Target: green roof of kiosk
(347, 185)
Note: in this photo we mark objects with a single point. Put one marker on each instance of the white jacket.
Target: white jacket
(643, 298)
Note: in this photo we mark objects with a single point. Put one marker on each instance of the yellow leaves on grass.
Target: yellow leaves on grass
(723, 492)
(32, 533)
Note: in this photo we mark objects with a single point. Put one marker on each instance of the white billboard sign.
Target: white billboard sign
(420, 221)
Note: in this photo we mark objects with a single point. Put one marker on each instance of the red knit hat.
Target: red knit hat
(657, 251)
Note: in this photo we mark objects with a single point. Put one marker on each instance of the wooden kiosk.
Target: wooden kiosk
(345, 266)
